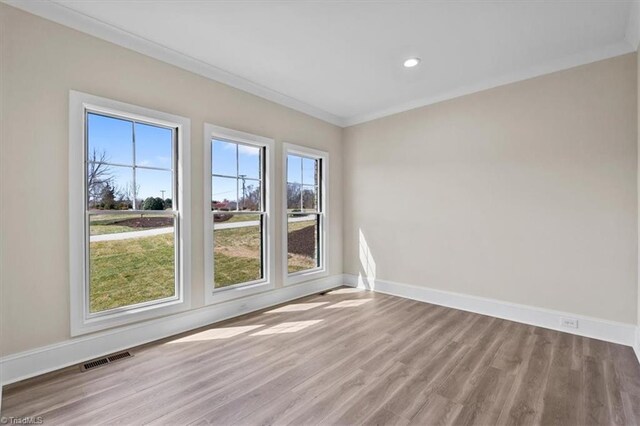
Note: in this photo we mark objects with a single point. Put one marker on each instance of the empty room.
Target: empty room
(319, 212)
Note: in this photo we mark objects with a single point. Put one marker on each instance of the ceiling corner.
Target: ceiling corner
(632, 33)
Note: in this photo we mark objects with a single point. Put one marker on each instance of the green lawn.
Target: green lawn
(109, 229)
(136, 270)
(131, 271)
(230, 270)
(236, 255)
(242, 218)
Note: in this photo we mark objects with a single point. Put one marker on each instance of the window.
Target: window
(127, 214)
(238, 222)
(305, 225)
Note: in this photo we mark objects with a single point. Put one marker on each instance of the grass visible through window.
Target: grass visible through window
(135, 270)
(126, 272)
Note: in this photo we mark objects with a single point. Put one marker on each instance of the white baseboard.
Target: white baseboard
(610, 331)
(24, 365)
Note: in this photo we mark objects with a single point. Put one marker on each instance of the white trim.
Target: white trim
(224, 294)
(616, 49)
(61, 14)
(24, 365)
(632, 34)
(79, 322)
(596, 328)
(323, 270)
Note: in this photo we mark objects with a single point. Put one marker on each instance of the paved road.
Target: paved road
(168, 230)
(129, 235)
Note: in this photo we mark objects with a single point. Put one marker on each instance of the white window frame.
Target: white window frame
(323, 269)
(81, 321)
(216, 295)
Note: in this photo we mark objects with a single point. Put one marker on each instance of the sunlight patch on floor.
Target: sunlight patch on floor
(287, 327)
(217, 333)
(349, 303)
(295, 307)
(346, 291)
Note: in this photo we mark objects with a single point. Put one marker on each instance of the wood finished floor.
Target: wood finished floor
(349, 358)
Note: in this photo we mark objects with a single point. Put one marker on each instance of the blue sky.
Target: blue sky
(300, 170)
(154, 149)
(153, 145)
(231, 159)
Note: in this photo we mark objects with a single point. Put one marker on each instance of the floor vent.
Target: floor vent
(121, 355)
(90, 365)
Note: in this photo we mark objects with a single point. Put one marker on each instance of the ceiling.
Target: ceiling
(341, 61)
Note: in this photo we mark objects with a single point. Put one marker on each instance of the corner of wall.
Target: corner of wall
(638, 180)
(632, 33)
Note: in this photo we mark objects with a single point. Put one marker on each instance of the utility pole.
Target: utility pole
(243, 188)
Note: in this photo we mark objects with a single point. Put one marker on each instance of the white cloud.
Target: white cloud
(248, 150)
(243, 149)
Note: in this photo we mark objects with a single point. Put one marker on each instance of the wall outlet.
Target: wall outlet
(569, 322)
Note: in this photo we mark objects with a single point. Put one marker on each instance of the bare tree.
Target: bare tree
(98, 174)
(294, 196)
(251, 197)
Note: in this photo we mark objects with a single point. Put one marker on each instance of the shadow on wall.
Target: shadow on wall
(367, 275)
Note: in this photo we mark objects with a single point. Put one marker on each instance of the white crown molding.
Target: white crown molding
(31, 363)
(620, 48)
(63, 15)
(632, 34)
(610, 331)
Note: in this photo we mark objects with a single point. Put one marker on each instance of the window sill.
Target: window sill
(300, 277)
(220, 295)
(126, 317)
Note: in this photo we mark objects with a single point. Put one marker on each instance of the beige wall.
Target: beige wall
(525, 193)
(40, 62)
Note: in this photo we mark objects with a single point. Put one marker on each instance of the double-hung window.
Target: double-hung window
(127, 213)
(305, 206)
(237, 208)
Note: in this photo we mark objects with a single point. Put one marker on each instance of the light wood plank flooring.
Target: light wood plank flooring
(349, 358)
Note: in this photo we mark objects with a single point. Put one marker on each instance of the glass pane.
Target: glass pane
(309, 198)
(224, 160)
(154, 189)
(249, 161)
(109, 187)
(250, 196)
(110, 140)
(154, 146)
(131, 259)
(302, 242)
(294, 192)
(224, 193)
(237, 253)
(294, 169)
(309, 171)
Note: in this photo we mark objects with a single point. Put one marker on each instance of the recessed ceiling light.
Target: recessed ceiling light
(411, 62)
